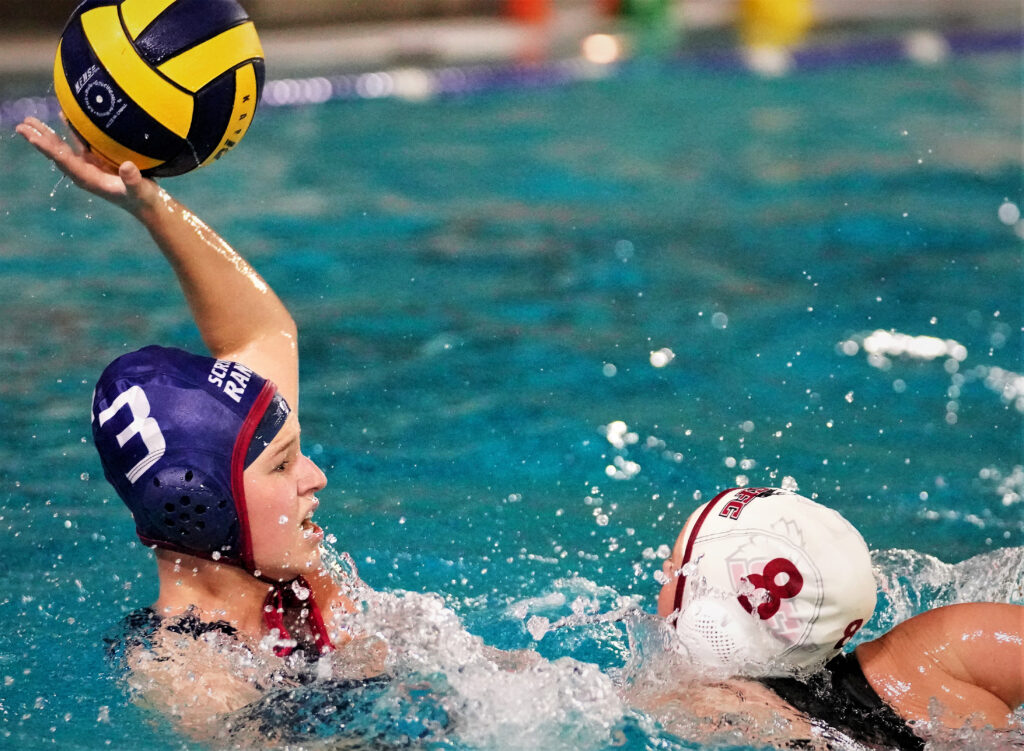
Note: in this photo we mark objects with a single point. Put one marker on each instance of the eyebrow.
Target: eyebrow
(283, 448)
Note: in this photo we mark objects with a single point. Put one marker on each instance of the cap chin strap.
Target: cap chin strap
(677, 598)
(265, 419)
(283, 598)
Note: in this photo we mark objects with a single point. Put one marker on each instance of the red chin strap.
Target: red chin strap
(281, 599)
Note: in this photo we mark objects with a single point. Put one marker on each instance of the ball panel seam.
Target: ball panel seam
(138, 14)
(158, 96)
(242, 113)
(196, 67)
(97, 140)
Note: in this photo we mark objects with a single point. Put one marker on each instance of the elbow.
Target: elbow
(290, 333)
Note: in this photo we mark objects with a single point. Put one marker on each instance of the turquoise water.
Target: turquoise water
(481, 281)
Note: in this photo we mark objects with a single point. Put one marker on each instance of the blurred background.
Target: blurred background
(350, 33)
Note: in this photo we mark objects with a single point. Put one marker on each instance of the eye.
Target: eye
(282, 466)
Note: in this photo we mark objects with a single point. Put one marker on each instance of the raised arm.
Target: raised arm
(238, 315)
(969, 658)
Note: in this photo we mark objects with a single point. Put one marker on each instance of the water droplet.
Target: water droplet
(662, 357)
(283, 519)
(1009, 213)
(538, 625)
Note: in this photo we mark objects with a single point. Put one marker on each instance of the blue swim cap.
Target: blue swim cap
(174, 432)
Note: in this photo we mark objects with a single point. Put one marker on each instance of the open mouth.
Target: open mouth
(309, 527)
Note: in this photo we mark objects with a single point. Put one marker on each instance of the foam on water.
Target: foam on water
(496, 700)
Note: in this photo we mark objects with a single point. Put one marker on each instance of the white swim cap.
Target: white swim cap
(771, 582)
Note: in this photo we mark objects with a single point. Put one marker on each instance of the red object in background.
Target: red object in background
(530, 11)
(610, 7)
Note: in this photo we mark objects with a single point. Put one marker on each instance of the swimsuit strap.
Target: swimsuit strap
(282, 598)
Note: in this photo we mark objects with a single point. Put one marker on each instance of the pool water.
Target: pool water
(538, 325)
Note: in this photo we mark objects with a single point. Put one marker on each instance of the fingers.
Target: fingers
(144, 190)
(130, 174)
(33, 125)
(47, 142)
(28, 129)
(124, 185)
(41, 136)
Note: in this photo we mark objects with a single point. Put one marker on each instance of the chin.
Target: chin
(312, 561)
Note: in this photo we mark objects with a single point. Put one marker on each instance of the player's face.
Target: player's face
(280, 497)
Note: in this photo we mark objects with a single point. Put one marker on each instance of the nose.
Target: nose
(311, 479)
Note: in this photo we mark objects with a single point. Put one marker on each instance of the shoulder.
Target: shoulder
(956, 655)
(188, 669)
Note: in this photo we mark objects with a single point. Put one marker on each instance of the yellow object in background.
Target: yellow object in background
(774, 23)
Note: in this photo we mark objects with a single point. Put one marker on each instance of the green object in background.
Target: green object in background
(649, 10)
(654, 27)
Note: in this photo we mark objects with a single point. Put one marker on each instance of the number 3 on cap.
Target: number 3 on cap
(142, 425)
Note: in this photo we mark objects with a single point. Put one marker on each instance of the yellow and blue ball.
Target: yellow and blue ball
(171, 85)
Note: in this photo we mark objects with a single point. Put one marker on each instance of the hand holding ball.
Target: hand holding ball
(171, 85)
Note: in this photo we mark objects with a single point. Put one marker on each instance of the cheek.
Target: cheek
(667, 595)
(269, 507)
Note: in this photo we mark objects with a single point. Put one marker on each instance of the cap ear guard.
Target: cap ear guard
(194, 515)
(716, 636)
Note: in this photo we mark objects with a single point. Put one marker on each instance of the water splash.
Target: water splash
(497, 700)
(910, 582)
(699, 706)
(57, 185)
